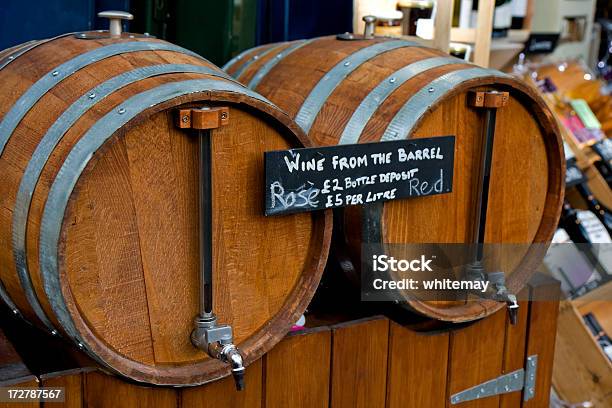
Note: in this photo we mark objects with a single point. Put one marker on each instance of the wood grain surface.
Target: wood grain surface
(359, 364)
(527, 174)
(382, 362)
(297, 372)
(128, 256)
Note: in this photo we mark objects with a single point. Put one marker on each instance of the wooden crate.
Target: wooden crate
(370, 362)
(582, 371)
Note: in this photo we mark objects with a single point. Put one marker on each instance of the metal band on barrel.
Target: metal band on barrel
(240, 56)
(8, 301)
(370, 104)
(77, 160)
(254, 58)
(323, 89)
(23, 48)
(51, 79)
(48, 143)
(16, 52)
(263, 71)
(402, 125)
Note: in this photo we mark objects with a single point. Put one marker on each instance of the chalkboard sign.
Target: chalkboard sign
(318, 178)
(573, 175)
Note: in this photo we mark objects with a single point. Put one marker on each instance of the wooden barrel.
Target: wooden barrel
(99, 230)
(356, 91)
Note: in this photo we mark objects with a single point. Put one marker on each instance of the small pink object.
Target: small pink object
(300, 324)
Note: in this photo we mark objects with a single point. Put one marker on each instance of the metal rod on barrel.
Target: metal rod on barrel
(208, 335)
(482, 201)
(490, 101)
(205, 218)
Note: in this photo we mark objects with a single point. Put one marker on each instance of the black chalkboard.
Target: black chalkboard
(309, 179)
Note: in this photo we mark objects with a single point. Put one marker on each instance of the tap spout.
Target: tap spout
(228, 353)
(217, 341)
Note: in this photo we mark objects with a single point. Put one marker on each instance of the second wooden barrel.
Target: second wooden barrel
(101, 160)
(346, 89)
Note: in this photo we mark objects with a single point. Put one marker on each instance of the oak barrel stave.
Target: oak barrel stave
(387, 89)
(98, 215)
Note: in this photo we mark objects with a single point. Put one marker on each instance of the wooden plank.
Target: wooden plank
(29, 382)
(602, 311)
(476, 356)
(484, 30)
(222, 393)
(71, 381)
(543, 313)
(297, 371)
(443, 24)
(152, 164)
(416, 375)
(359, 364)
(465, 35)
(581, 370)
(514, 349)
(529, 15)
(101, 241)
(603, 292)
(104, 391)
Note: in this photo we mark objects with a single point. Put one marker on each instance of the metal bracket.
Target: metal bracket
(523, 379)
(488, 99)
(203, 118)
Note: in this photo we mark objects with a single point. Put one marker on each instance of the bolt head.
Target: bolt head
(369, 19)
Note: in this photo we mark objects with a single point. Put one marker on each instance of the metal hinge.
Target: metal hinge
(523, 379)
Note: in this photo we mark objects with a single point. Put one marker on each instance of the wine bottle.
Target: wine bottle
(600, 211)
(600, 335)
(519, 12)
(572, 224)
(603, 149)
